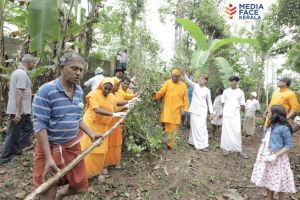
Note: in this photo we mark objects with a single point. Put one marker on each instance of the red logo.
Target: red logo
(230, 10)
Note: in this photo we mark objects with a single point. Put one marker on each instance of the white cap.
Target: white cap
(98, 70)
(253, 94)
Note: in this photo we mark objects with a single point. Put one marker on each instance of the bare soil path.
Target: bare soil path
(183, 173)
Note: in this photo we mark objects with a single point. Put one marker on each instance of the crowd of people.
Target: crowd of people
(64, 126)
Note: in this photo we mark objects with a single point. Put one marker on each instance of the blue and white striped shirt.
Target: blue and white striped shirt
(54, 111)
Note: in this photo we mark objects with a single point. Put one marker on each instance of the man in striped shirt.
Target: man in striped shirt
(57, 111)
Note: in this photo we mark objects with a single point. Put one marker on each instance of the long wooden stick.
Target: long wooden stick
(50, 182)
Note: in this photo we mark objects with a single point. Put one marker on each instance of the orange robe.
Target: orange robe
(127, 95)
(175, 100)
(95, 160)
(286, 98)
(113, 156)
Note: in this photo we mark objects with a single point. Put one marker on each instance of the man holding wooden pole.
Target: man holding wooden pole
(57, 111)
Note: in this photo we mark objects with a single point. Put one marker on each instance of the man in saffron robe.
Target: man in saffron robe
(175, 100)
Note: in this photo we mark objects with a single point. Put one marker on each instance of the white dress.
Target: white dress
(231, 139)
(198, 110)
(217, 106)
(277, 176)
(252, 105)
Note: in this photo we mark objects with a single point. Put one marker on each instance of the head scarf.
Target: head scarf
(176, 72)
(116, 80)
(104, 81)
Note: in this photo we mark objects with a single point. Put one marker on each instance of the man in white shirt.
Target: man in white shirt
(96, 80)
(252, 105)
(122, 58)
(19, 110)
(199, 107)
(233, 101)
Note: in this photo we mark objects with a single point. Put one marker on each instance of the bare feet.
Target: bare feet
(243, 155)
(101, 178)
(105, 172)
(225, 153)
(118, 166)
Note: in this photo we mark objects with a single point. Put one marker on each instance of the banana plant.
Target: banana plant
(265, 42)
(206, 49)
(43, 23)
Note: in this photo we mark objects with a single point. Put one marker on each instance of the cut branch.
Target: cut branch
(135, 132)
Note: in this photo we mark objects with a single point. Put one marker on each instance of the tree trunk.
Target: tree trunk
(2, 52)
(260, 86)
(132, 41)
(61, 46)
(89, 30)
(25, 46)
(2, 55)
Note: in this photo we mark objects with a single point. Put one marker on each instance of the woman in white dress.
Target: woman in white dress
(216, 120)
(198, 111)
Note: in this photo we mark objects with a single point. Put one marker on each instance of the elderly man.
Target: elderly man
(19, 110)
(175, 100)
(285, 97)
(252, 105)
(57, 111)
(233, 101)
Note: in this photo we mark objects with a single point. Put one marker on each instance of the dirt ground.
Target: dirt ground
(182, 173)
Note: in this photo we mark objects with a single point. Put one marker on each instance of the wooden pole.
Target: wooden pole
(50, 182)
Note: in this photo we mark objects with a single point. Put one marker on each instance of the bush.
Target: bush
(144, 128)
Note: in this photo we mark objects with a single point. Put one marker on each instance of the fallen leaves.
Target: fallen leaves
(20, 195)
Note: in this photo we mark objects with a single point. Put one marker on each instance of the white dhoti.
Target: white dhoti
(231, 139)
(198, 132)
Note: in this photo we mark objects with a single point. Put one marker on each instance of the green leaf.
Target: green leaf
(39, 71)
(5, 76)
(217, 43)
(43, 23)
(195, 31)
(254, 65)
(224, 68)
(199, 58)
(294, 58)
(74, 29)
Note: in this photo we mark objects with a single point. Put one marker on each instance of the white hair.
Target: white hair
(70, 56)
(27, 58)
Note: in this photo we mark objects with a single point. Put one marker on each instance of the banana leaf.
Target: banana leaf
(195, 31)
(43, 23)
(225, 69)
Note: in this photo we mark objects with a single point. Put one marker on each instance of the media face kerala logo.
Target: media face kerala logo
(245, 11)
(230, 10)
